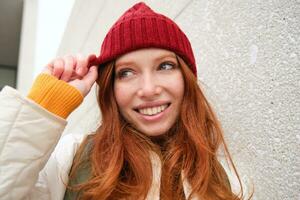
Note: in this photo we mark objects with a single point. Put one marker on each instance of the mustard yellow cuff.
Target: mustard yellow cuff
(55, 95)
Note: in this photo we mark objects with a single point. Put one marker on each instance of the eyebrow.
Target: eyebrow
(168, 55)
(123, 63)
(172, 55)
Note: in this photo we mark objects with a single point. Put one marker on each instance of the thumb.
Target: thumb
(91, 76)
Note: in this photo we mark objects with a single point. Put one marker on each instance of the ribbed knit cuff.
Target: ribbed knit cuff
(55, 95)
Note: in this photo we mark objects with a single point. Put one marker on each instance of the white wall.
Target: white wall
(53, 16)
(248, 58)
(27, 46)
(43, 26)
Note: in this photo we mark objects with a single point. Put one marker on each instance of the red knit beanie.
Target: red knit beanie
(140, 27)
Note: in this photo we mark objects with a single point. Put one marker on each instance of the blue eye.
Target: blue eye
(166, 66)
(124, 73)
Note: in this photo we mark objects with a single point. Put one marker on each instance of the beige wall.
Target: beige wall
(247, 54)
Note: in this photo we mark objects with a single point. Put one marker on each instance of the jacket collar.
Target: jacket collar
(154, 192)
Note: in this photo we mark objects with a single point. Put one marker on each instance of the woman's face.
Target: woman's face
(149, 88)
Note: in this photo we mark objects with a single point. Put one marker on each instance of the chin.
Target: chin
(153, 132)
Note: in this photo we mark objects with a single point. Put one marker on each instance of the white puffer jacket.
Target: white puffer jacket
(34, 161)
(28, 136)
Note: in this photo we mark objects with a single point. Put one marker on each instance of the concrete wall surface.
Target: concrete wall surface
(247, 55)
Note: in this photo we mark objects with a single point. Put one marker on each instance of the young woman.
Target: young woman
(159, 137)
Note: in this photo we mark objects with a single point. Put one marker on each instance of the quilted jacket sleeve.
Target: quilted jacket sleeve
(28, 135)
(54, 176)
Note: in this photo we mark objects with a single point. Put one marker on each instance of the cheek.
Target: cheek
(123, 96)
(181, 85)
(120, 98)
(178, 87)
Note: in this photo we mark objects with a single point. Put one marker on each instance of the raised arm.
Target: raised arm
(30, 127)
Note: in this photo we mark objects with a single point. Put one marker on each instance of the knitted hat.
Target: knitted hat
(140, 27)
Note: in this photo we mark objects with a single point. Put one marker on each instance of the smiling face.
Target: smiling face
(149, 88)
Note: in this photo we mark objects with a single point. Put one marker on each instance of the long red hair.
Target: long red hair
(120, 167)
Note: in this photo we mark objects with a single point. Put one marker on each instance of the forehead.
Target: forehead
(149, 54)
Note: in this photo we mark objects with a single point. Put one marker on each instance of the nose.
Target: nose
(149, 87)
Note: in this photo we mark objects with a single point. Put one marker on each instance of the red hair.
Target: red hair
(119, 155)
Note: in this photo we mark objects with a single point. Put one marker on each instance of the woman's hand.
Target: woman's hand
(75, 71)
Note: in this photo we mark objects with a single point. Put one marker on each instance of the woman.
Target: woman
(158, 138)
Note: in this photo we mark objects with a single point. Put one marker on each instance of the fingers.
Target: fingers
(61, 68)
(70, 67)
(48, 69)
(91, 76)
(82, 65)
(58, 67)
(85, 84)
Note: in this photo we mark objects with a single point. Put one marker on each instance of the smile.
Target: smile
(153, 110)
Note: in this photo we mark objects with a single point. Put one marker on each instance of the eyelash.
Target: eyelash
(121, 74)
(167, 63)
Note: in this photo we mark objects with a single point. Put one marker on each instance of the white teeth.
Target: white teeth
(159, 109)
(153, 110)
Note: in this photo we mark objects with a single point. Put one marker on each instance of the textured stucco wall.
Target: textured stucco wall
(247, 54)
(248, 59)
